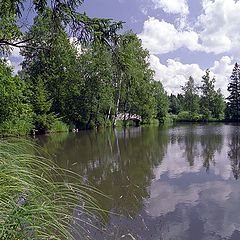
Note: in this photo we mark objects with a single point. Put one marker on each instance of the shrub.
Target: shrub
(59, 126)
(184, 116)
(18, 125)
(189, 116)
(206, 114)
(44, 122)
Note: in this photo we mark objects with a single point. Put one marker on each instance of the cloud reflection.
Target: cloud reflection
(215, 204)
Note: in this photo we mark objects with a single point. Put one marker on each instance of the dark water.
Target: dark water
(165, 183)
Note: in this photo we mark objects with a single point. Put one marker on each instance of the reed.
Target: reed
(38, 199)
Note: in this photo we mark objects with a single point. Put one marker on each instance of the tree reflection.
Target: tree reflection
(211, 142)
(53, 143)
(191, 150)
(119, 163)
(234, 152)
(200, 143)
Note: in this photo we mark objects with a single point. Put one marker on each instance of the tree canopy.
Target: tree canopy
(234, 97)
(81, 72)
(64, 13)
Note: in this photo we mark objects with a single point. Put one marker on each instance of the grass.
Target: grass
(59, 126)
(37, 199)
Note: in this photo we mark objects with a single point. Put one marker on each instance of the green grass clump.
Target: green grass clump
(37, 199)
(59, 126)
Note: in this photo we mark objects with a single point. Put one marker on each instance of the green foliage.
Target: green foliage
(44, 122)
(209, 106)
(191, 98)
(96, 97)
(161, 101)
(16, 114)
(64, 15)
(168, 120)
(20, 125)
(186, 116)
(175, 104)
(37, 198)
(206, 113)
(9, 31)
(133, 78)
(219, 105)
(234, 97)
(59, 126)
(44, 118)
(87, 89)
(212, 101)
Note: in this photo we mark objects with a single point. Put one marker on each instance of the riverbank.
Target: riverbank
(38, 198)
(63, 128)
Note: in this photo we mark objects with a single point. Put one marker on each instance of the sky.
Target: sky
(184, 37)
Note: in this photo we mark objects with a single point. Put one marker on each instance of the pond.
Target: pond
(172, 183)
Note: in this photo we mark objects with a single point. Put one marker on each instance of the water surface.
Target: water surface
(177, 183)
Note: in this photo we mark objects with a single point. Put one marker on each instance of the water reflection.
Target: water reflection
(176, 183)
(234, 152)
(119, 163)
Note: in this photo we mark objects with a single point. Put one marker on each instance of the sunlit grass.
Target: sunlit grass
(37, 199)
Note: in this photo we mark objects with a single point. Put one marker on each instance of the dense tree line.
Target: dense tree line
(204, 103)
(199, 103)
(65, 84)
(80, 72)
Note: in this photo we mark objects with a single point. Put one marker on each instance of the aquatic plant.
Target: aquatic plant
(38, 199)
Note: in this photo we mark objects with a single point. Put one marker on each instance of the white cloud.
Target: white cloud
(216, 30)
(222, 70)
(174, 74)
(165, 197)
(215, 203)
(15, 59)
(172, 6)
(219, 25)
(133, 19)
(179, 154)
(162, 37)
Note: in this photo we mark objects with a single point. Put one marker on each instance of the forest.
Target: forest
(82, 73)
(172, 181)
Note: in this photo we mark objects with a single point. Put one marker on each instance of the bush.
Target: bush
(18, 125)
(189, 117)
(59, 126)
(44, 122)
(152, 122)
(206, 114)
(184, 116)
(168, 119)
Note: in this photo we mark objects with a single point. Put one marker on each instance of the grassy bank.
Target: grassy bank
(37, 199)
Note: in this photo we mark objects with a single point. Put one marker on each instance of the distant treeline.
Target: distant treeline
(204, 103)
(198, 103)
(65, 85)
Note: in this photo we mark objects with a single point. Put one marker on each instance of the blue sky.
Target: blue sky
(184, 37)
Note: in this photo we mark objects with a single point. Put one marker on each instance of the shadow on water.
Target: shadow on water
(119, 163)
(234, 151)
(165, 183)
